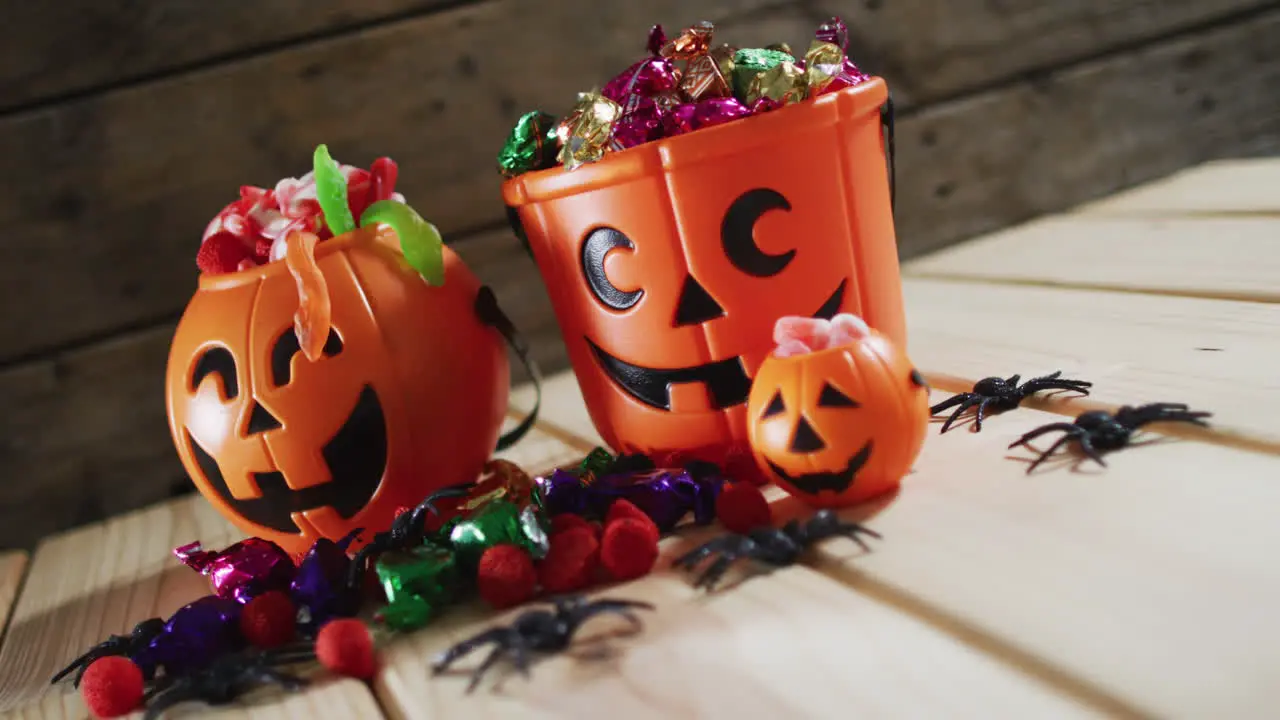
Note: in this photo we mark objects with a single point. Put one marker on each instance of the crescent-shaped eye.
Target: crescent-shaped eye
(594, 250)
(737, 233)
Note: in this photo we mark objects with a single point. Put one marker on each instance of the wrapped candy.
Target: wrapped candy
(709, 74)
(418, 583)
(694, 41)
(641, 121)
(498, 522)
(667, 496)
(646, 78)
(585, 132)
(835, 33)
(194, 636)
(532, 145)
(241, 571)
(783, 83)
(751, 62)
(680, 120)
(319, 589)
(715, 111)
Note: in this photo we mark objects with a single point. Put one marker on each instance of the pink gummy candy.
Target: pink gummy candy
(795, 335)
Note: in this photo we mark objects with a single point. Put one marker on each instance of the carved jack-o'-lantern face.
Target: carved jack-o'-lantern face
(667, 263)
(840, 425)
(407, 397)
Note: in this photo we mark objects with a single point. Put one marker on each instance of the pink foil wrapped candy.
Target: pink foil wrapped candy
(242, 571)
(641, 122)
(715, 111)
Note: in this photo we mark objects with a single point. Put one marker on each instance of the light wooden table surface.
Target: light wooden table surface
(1146, 589)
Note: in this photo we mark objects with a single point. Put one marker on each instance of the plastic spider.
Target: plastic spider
(1000, 394)
(1097, 431)
(227, 678)
(773, 546)
(536, 631)
(136, 641)
(408, 530)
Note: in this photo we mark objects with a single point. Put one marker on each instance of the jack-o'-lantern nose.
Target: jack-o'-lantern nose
(806, 439)
(261, 420)
(696, 305)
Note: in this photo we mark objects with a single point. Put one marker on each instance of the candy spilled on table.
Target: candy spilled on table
(684, 84)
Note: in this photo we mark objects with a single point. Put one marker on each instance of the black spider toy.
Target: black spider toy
(1099, 430)
(1000, 394)
(408, 530)
(138, 639)
(536, 631)
(772, 546)
(227, 678)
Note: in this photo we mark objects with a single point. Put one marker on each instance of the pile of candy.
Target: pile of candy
(506, 538)
(685, 84)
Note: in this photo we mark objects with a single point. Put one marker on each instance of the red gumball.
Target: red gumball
(624, 508)
(506, 576)
(741, 508)
(269, 620)
(345, 647)
(112, 687)
(629, 547)
(571, 561)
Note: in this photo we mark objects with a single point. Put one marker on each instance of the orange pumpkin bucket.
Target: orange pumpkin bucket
(668, 263)
(406, 393)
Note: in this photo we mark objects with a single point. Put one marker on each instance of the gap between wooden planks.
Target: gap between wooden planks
(95, 581)
(1143, 589)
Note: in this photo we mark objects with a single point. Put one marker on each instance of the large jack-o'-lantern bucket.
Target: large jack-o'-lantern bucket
(668, 263)
(408, 396)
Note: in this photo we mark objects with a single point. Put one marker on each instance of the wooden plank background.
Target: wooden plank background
(120, 151)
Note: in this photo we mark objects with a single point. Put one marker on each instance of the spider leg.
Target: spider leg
(981, 413)
(493, 657)
(965, 405)
(1044, 430)
(286, 680)
(949, 402)
(1053, 448)
(458, 651)
(713, 574)
(78, 666)
(690, 560)
(1086, 445)
(1195, 418)
(621, 608)
(172, 698)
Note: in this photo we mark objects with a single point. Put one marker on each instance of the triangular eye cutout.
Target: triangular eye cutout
(806, 439)
(775, 407)
(831, 397)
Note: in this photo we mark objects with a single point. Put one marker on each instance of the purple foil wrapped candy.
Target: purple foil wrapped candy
(716, 111)
(649, 77)
(561, 492)
(641, 122)
(242, 571)
(193, 637)
(320, 587)
(680, 120)
(666, 496)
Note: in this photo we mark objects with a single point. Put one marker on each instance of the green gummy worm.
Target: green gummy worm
(331, 192)
(420, 241)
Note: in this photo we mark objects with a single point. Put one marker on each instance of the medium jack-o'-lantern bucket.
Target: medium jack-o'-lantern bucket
(408, 396)
(668, 263)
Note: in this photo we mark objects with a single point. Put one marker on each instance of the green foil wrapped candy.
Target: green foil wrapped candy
(499, 522)
(418, 583)
(532, 145)
(750, 62)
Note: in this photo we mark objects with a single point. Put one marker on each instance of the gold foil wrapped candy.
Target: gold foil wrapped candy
(822, 64)
(709, 75)
(783, 83)
(585, 131)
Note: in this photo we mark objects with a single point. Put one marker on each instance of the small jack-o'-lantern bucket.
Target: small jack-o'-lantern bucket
(408, 396)
(667, 263)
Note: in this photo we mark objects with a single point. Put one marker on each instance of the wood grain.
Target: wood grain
(1227, 187)
(1146, 585)
(117, 185)
(1216, 355)
(794, 644)
(98, 580)
(1235, 257)
(92, 436)
(13, 567)
(1150, 581)
(108, 43)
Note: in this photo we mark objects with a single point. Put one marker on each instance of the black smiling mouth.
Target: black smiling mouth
(836, 482)
(357, 460)
(726, 380)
